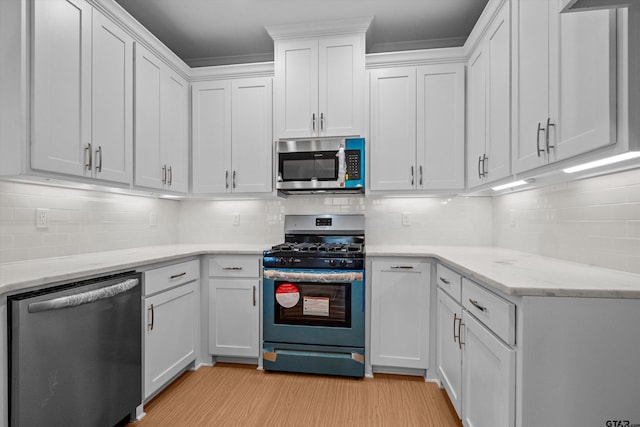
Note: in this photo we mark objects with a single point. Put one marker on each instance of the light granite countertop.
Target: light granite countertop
(524, 274)
(27, 274)
(512, 272)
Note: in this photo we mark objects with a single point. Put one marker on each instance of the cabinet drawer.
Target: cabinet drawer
(163, 278)
(234, 266)
(449, 281)
(495, 312)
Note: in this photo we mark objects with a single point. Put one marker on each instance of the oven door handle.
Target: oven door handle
(318, 277)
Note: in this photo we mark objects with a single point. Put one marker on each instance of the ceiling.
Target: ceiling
(217, 32)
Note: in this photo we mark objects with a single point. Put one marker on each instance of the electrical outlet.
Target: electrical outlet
(42, 218)
(153, 219)
(406, 219)
(236, 218)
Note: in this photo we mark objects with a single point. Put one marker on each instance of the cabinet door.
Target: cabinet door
(211, 137)
(488, 377)
(175, 133)
(112, 100)
(498, 142)
(448, 350)
(169, 335)
(233, 317)
(393, 129)
(296, 80)
(252, 142)
(148, 149)
(400, 294)
(583, 83)
(476, 107)
(440, 130)
(531, 82)
(341, 86)
(61, 65)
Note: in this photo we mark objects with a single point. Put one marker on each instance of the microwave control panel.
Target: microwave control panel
(352, 158)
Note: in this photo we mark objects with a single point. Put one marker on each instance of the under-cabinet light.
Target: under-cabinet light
(512, 184)
(603, 162)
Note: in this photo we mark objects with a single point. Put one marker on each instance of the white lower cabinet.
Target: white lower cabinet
(171, 304)
(488, 377)
(234, 314)
(475, 366)
(400, 295)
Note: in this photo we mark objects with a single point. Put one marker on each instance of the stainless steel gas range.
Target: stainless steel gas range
(314, 297)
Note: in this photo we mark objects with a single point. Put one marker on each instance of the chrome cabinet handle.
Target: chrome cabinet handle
(445, 281)
(456, 318)
(402, 267)
(321, 121)
(170, 180)
(232, 268)
(485, 160)
(99, 159)
(477, 305)
(254, 295)
(313, 122)
(420, 180)
(233, 180)
(460, 325)
(479, 170)
(412, 176)
(152, 318)
(226, 179)
(175, 276)
(164, 174)
(89, 163)
(540, 129)
(549, 124)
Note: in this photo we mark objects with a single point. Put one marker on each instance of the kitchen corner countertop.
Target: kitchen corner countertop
(16, 276)
(523, 274)
(511, 272)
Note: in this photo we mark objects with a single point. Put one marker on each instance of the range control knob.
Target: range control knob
(282, 261)
(343, 263)
(332, 262)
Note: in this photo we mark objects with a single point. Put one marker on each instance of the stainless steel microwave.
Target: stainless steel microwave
(320, 166)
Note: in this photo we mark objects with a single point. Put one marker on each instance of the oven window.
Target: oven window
(305, 166)
(313, 304)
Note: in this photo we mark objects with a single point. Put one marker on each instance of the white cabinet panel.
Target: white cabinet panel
(400, 313)
(234, 321)
(448, 349)
(440, 127)
(170, 339)
(393, 129)
(488, 370)
(82, 92)
(175, 132)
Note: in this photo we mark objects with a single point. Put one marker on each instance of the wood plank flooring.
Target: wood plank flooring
(240, 395)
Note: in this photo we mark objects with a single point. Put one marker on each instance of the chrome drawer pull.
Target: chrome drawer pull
(152, 318)
(460, 325)
(175, 276)
(445, 281)
(455, 317)
(402, 267)
(232, 268)
(477, 305)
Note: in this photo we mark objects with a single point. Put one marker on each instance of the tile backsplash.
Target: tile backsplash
(594, 221)
(80, 221)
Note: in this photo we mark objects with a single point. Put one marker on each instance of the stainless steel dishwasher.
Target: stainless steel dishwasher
(75, 353)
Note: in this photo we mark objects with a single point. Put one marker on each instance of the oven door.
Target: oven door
(314, 307)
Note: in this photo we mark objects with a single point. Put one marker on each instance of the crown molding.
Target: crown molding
(319, 29)
(232, 71)
(415, 57)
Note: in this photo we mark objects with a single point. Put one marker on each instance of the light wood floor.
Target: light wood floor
(240, 395)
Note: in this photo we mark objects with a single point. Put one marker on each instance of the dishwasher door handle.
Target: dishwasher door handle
(83, 297)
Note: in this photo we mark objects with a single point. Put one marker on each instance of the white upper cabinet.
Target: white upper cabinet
(161, 127)
(232, 136)
(319, 82)
(440, 132)
(417, 128)
(488, 104)
(82, 92)
(564, 93)
(392, 138)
